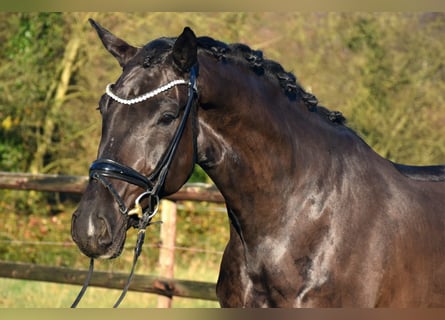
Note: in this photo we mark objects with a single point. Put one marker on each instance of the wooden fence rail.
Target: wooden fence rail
(77, 184)
(112, 280)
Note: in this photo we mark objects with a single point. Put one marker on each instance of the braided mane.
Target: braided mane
(243, 54)
(274, 71)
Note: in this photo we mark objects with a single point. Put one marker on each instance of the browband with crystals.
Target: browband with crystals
(147, 95)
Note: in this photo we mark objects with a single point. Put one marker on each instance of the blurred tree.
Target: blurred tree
(56, 97)
(27, 62)
(39, 63)
(398, 60)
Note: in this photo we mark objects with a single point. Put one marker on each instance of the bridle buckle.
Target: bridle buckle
(151, 209)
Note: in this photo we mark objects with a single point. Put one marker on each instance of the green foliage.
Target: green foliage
(11, 153)
(31, 59)
(199, 175)
(28, 66)
(398, 62)
(34, 32)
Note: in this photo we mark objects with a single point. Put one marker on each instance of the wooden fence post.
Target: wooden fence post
(167, 250)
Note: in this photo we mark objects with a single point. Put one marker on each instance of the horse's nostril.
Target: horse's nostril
(104, 237)
(73, 227)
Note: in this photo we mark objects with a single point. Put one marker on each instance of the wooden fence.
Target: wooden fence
(165, 285)
(76, 184)
(112, 280)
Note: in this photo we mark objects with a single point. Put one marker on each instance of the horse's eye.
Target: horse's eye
(167, 118)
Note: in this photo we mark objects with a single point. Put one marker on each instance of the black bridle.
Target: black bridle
(101, 169)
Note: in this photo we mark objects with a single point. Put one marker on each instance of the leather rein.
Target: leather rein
(101, 169)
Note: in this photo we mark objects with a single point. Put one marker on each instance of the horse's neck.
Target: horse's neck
(258, 146)
(241, 139)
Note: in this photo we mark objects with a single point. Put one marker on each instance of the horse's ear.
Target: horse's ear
(185, 50)
(121, 50)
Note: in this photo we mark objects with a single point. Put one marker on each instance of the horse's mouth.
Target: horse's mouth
(111, 253)
(116, 248)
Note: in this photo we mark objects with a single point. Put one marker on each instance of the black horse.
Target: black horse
(317, 218)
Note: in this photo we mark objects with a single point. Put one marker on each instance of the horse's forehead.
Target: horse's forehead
(151, 57)
(158, 47)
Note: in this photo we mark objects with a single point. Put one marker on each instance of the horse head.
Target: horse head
(147, 145)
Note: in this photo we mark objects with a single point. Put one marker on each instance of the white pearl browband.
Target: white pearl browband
(147, 95)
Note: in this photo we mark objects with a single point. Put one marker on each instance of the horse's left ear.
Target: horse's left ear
(120, 49)
(185, 50)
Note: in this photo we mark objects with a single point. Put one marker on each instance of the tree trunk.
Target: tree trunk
(55, 103)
